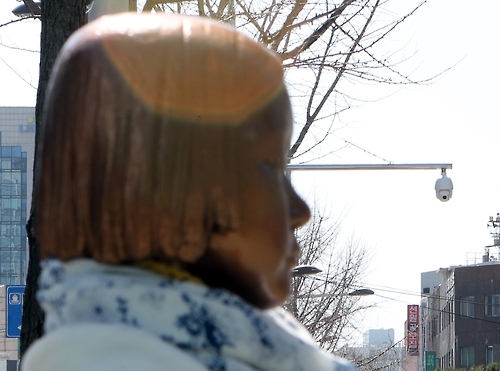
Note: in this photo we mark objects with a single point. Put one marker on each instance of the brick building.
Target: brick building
(460, 317)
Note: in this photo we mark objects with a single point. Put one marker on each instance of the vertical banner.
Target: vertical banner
(412, 330)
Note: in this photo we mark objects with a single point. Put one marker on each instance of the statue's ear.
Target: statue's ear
(206, 216)
(225, 210)
(209, 208)
(193, 233)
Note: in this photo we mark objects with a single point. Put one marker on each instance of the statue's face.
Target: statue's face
(262, 252)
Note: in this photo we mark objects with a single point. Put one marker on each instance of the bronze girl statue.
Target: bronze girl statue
(165, 219)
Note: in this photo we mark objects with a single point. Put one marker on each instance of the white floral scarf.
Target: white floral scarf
(216, 327)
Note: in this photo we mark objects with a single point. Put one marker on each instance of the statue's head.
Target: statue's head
(165, 138)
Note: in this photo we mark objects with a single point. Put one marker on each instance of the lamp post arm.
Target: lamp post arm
(432, 166)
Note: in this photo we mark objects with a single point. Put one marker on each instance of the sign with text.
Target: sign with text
(14, 295)
(412, 333)
(430, 360)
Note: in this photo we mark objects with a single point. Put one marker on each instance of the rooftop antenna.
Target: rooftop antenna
(494, 226)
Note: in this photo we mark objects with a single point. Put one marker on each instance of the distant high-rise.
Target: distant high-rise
(378, 337)
(17, 142)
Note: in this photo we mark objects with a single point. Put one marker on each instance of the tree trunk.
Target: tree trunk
(60, 18)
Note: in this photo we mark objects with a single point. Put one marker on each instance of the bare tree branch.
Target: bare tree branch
(151, 4)
(308, 42)
(334, 40)
(19, 20)
(322, 302)
(292, 16)
(17, 73)
(312, 113)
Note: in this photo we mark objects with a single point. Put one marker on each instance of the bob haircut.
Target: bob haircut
(140, 146)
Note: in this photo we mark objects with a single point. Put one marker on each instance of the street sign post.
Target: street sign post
(14, 310)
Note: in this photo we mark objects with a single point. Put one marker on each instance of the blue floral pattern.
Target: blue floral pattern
(216, 327)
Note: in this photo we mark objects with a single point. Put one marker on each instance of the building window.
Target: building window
(489, 354)
(492, 305)
(467, 306)
(434, 327)
(467, 357)
(450, 310)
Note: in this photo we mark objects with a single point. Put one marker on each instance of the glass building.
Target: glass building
(17, 140)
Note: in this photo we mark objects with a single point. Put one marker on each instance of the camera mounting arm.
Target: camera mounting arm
(443, 187)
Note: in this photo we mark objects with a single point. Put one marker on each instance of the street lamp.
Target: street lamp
(23, 10)
(304, 270)
(30, 8)
(361, 292)
(309, 270)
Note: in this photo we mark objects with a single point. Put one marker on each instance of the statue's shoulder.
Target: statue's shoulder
(104, 347)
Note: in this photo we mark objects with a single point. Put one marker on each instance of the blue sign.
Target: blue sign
(14, 310)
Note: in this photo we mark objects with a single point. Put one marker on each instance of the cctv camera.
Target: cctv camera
(444, 188)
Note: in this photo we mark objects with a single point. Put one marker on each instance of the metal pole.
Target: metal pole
(295, 167)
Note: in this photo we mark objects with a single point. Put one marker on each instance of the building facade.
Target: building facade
(460, 318)
(17, 141)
